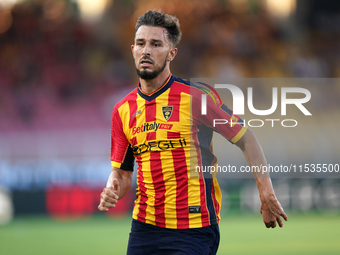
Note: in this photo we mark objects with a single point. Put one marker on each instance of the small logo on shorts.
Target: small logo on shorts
(195, 209)
(167, 111)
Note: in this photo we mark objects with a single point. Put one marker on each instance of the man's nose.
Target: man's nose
(146, 50)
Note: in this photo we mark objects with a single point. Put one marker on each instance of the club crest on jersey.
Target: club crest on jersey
(167, 111)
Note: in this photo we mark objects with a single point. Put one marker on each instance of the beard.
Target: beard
(150, 75)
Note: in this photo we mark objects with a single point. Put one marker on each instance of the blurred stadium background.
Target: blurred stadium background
(65, 63)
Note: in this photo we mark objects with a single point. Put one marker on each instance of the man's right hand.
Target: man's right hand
(109, 197)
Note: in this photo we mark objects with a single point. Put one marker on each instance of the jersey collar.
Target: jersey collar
(157, 92)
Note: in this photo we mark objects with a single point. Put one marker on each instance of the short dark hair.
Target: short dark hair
(159, 19)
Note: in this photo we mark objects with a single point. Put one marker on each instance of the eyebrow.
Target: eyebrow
(153, 40)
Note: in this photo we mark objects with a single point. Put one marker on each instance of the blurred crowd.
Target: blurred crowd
(59, 71)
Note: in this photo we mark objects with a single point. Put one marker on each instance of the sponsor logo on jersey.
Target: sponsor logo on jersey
(136, 113)
(159, 145)
(154, 126)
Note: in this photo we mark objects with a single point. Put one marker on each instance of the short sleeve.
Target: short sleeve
(218, 117)
(121, 150)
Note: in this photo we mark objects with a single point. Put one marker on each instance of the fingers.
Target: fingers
(272, 212)
(108, 199)
(115, 184)
(280, 214)
(268, 225)
(279, 221)
(284, 215)
(102, 208)
(271, 224)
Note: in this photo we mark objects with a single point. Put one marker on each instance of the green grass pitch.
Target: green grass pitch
(302, 234)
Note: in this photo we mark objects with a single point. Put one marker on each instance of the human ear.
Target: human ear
(172, 54)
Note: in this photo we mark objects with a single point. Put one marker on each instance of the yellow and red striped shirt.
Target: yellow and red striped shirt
(167, 135)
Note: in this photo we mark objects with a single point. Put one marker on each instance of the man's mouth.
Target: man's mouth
(146, 62)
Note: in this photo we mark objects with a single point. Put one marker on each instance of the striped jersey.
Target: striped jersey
(168, 137)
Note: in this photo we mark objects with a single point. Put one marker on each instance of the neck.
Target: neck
(149, 86)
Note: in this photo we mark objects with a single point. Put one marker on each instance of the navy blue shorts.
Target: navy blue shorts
(146, 239)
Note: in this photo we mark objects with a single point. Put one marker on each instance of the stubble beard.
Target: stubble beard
(150, 75)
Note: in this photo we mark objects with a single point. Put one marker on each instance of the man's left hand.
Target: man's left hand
(272, 211)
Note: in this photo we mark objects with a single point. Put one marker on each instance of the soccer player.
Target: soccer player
(177, 209)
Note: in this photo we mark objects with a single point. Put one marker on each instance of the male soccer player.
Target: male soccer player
(177, 210)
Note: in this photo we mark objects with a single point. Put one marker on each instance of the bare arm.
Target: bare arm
(118, 184)
(271, 208)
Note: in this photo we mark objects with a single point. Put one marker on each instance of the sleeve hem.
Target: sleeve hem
(116, 164)
(239, 135)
